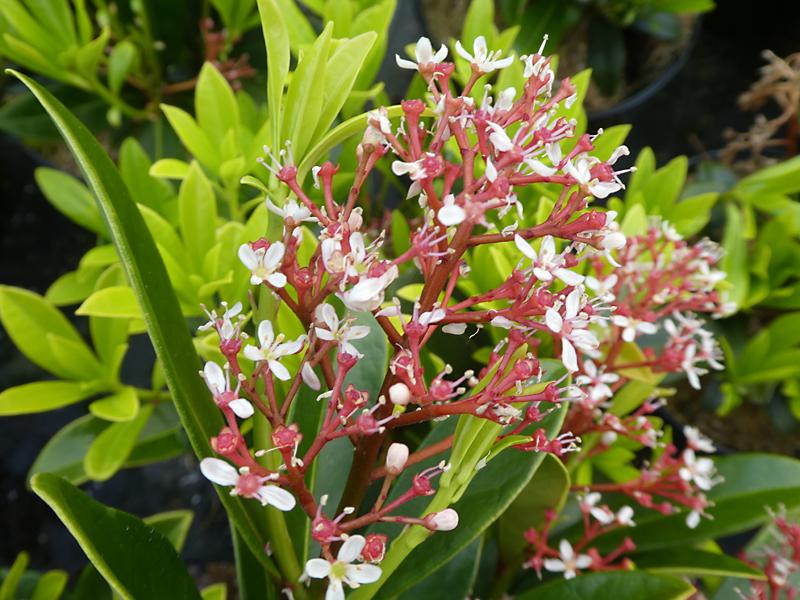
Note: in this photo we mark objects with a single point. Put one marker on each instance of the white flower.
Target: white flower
(698, 470)
(226, 330)
(264, 263)
(569, 563)
(604, 289)
(367, 294)
(689, 366)
(219, 384)
(246, 484)
(342, 570)
(697, 441)
(580, 170)
(444, 520)
(414, 169)
(399, 394)
(342, 332)
(693, 519)
(485, 61)
(572, 329)
(424, 55)
(396, 458)
(499, 138)
(292, 210)
(547, 262)
(624, 517)
(597, 381)
(632, 326)
(272, 349)
(451, 213)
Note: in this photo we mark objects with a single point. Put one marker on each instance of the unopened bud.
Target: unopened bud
(396, 458)
(399, 394)
(444, 520)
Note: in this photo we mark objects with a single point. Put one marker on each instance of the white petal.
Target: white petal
(404, 63)
(479, 46)
(463, 53)
(525, 247)
(455, 328)
(553, 320)
(248, 256)
(215, 377)
(583, 561)
(318, 568)
(363, 573)
(218, 471)
(441, 54)
(569, 277)
(553, 565)
(241, 408)
(277, 497)
(351, 549)
(327, 314)
(279, 370)
(565, 550)
(292, 347)
(568, 355)
(357, 332)
(335, 590)
(277, 280)
(451, 214)
(629, 334)
(424, 51)
(573, 303)
(265, 333)
(274, 255)
(310, 377)
(253, 353)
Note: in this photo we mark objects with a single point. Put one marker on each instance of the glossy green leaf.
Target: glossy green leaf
(453, 580)
(135, 166)
(169, 168)
(76, 359)
(148, 279)
(121, 406)
(630, 585)
(782, 178)
(695, 563)
(109, 450)
(663, 188)
(50, 586)
(73, 287)
(734, 261)
(117, 302)
(71, 198)
(42, 396)
(691, 215)
(194, 138)
(136, 560)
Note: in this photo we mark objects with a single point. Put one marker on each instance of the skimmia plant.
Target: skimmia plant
(354, 449)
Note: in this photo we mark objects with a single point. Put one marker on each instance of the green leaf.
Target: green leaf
(305, 95)
(276, 38)
(217, 591)
(480, 15)
(117, 302)
(635, 221)
(121, 62)
(76, 359)
(751, 483)
(489, 494)
(215, 105)
(630, 585)
(42, 396)
(197, 209)
(783, 178)
(734, 262)
(134, 166)
(12, 578)
(691, 215)
(340, 75)
(191, 136)
(73, 287)
(136, 560)
(110, 449)
(547, 490)
(169, 168)
(122, 406)
(148, 278)
(27, 319)
(695, 563)
(173, 525)
(71, 198)
(664, 187)
(453, 580)
(50, 586)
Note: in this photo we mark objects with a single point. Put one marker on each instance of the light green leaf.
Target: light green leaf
(691, 215)
(13, 577)
(197, 209)
(635, 221)
(28, 318)
(110, 449)
(136, 560)
(170, 168)
(42, 396)
(121, 62)
(173, 525)
(73, 287)
(121, 406)
(276, 38)
(194, 138)
(118, 302)
(71, 198)
(215, 105)
(50, 586)
(76, 359)
(734, 262)
(217, 591)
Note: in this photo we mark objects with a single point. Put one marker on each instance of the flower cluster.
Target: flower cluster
(465, 163)
(779, 559)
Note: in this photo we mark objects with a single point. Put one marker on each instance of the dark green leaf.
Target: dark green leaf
(630, 585)
(133, 557)
(606, 55)
(696, 563)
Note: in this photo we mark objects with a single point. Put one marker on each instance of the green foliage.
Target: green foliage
(634, 585)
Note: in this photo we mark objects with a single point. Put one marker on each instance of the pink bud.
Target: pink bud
(445, 520)
(399, 394)
(374, 548)
(396, 458)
